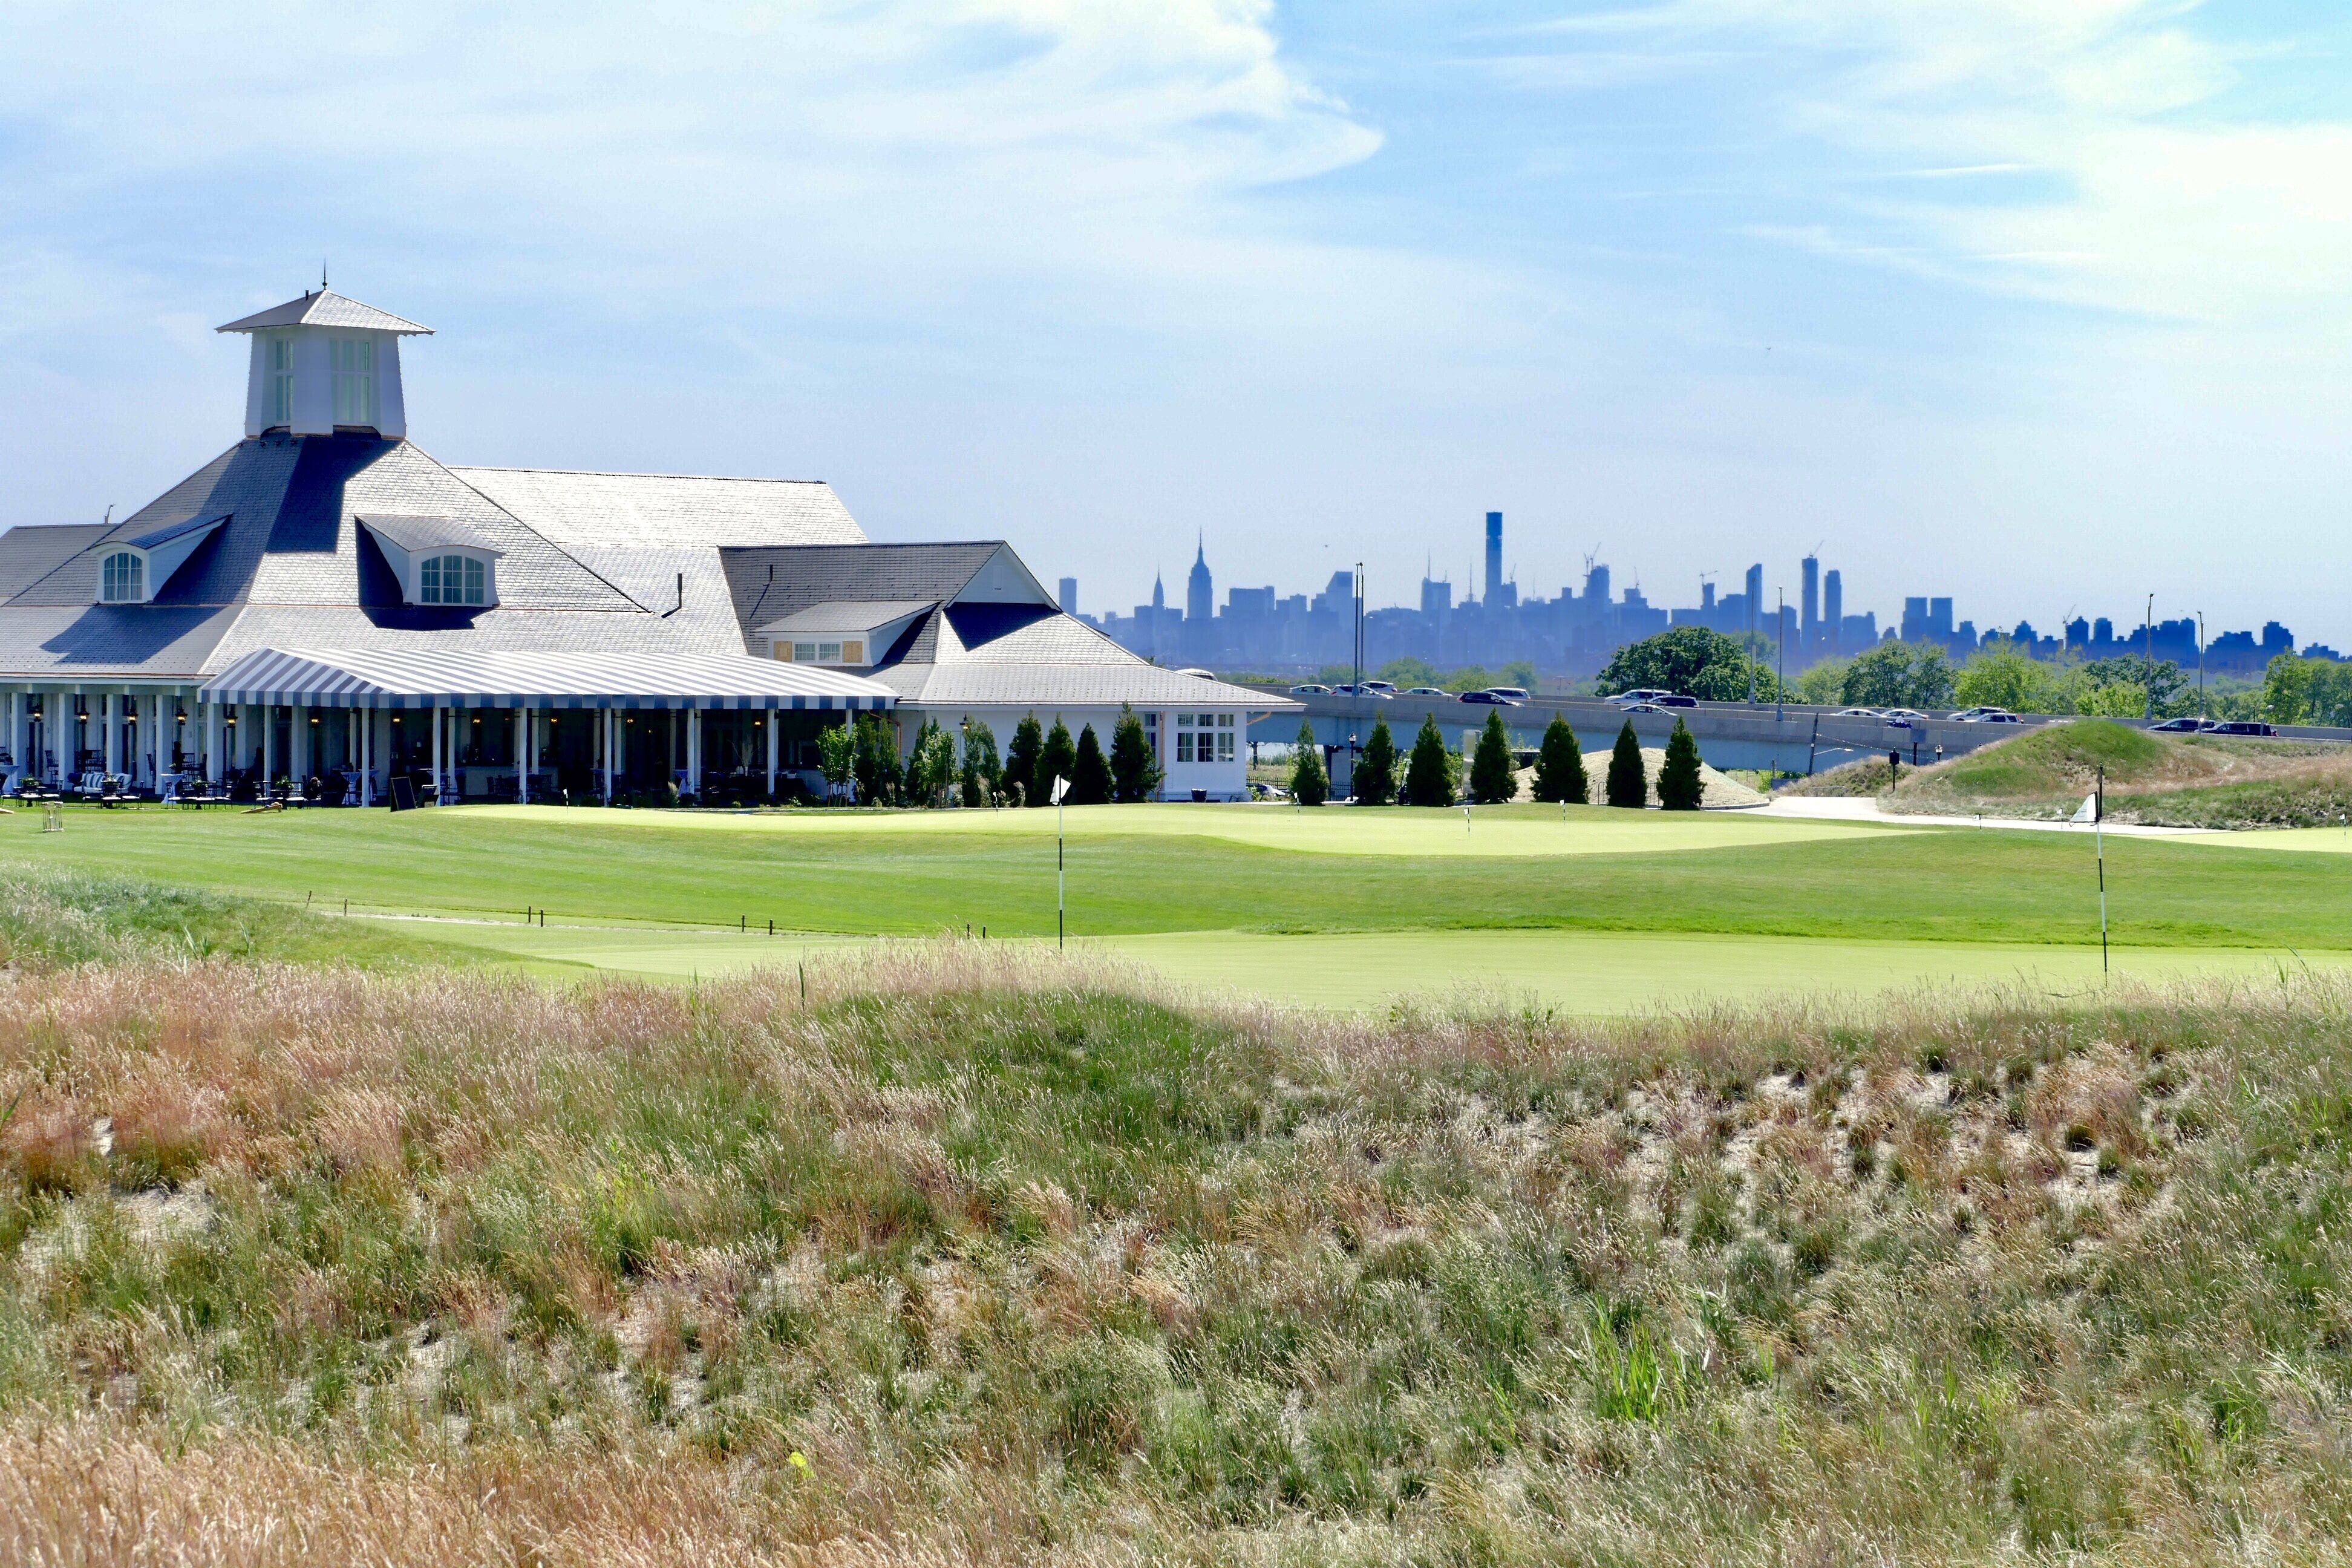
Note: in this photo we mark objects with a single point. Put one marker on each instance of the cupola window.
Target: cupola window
(449, 580)
(353, 364)
(280, 393)
(123, 578)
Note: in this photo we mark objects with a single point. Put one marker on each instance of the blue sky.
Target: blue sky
(2048, 306)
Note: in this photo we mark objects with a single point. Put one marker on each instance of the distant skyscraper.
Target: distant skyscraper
(1832, 606)
(1494, 557)
(1069, 595)
(1754, 591)
(1200, 596)
(1808, 622)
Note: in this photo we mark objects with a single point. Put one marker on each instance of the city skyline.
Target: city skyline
(1573, 633)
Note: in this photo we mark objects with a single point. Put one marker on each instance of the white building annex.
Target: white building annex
(324, 601)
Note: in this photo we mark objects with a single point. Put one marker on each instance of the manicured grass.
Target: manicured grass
(1583, 971)
(922, 874)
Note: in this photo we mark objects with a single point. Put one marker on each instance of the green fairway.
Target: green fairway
(1576, 971)
(1139, 871)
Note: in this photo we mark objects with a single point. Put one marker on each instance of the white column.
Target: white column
(367, 753)
(109, 736)
(604, 735)
(440, 769)
(16, 729)
(522, 755)
(209, 719)
(771, 751)
(694, 750)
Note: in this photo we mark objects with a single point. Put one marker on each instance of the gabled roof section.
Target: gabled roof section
(667, 511)
(28, 553)
(324, 309)
(770, 585)
(835, 615)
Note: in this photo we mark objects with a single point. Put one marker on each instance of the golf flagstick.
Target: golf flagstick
(1061, 788)
(2093, 811)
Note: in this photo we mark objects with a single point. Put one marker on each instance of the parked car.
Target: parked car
(1639, 694)
(2189, 726)
(1427, 691)
(1673, 699)
(1310, 689)
(2242, 727)
(1491, 699)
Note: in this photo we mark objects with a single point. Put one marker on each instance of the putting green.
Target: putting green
(1576, 971)
(1510, 832)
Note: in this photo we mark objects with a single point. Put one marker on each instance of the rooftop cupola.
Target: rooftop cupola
(323, 364)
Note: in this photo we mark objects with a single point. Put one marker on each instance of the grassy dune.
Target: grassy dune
(2170, 780)
(956, 1257)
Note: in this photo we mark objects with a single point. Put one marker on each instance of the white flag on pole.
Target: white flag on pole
(1062, 787)
(2088, 811)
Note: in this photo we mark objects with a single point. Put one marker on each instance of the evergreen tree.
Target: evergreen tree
(1376, 780)
(1492, 778)
(1433, 775)
(1089, 773)
(1134, 771)
(1308, 782)
(1560, 766)
(1058, 760)
(981, 763)
(1627, 786)
(1679, 785)
(1021, 761)
(836, 750)
(877, 765)
(919, 758)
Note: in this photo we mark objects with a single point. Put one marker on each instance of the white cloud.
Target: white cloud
(2147, 194)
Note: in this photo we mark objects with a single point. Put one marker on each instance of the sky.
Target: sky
(2044, 304)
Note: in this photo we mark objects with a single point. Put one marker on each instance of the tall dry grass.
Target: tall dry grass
(959, 1255)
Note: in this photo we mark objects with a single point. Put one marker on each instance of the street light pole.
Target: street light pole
(2148, 653)
(2200, 664)
(1781, 657)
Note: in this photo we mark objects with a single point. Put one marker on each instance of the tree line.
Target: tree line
(1432, 773)
(963, 767)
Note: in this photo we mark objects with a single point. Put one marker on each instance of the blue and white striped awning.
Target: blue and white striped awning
(375, 677)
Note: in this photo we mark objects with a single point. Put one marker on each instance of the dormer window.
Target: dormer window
(850, 650)
(352, 361)
(449, 580)
(123, 578)
(439, 560)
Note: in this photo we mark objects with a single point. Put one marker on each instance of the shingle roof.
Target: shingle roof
(169, 531)
(620, 511)
(325, 310)
(424, 532)
(28, 554)
(1048, 686)
(771, 584)
(835, 615)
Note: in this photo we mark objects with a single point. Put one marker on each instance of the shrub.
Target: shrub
(1134, 771)
(980, 762)
(1021, 760)
(1089, 773)
(1492, 777)
(1308, 782)
(1433, 776)
(836, 750)
(876, 761)
(1376, 781)
(1626, 786)
(1679, 785)
(1560, 766)
(1057, 760)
